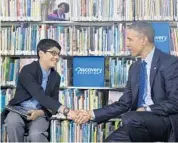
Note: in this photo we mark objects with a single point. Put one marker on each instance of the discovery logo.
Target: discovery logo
(160, 38)
(84, 71)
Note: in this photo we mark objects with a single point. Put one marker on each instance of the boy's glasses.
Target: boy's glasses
(54, 53)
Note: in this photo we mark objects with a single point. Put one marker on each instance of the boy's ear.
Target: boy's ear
(41, 54)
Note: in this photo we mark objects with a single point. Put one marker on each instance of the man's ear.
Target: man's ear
(145, 40)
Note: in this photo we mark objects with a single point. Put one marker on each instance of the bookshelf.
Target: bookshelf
(72, 87)
(94, 28)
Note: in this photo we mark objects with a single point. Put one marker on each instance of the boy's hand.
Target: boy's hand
(34, 114)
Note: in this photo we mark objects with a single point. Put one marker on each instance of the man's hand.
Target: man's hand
(83, 116)
(141, 109)
(34, 114)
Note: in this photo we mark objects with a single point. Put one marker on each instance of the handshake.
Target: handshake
(80, 116)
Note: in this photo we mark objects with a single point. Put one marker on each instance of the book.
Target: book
(58, 10)
(19, 110)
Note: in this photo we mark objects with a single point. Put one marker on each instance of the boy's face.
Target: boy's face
(50, 57)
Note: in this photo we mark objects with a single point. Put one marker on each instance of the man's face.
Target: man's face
(134, 42)
(50, 57)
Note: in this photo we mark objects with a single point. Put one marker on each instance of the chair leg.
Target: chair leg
(26, 137)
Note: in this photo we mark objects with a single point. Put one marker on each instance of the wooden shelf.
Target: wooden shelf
(97, 88)
(81, 23)
(70, 56)
(73, 87)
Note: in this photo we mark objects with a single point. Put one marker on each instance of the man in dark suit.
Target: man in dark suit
(37, 92)
(149, 105)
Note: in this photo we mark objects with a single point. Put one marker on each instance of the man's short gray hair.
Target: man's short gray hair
(144, 28)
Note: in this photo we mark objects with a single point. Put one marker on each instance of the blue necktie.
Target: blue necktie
(142, 84)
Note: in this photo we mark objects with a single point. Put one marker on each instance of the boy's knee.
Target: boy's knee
(13, 120)
(37, 136)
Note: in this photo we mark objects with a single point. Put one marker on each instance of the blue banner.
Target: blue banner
(162, 36)
(88, 71)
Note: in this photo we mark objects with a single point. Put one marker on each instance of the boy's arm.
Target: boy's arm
(55, 95)
(27, 78)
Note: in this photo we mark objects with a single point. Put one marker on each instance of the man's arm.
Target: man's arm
(169, 106)
(117, 108)
(27, 79)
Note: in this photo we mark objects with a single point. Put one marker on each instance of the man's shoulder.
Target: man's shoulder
(166, 59)
(164, 55)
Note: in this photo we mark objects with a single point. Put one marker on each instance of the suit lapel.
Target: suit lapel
(136, 71)
(40, 75)
(50, 81)
(154, 67)
(50, 78)
(135, 78)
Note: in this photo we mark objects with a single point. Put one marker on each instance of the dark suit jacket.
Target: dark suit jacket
(29, 85)
(164, 91)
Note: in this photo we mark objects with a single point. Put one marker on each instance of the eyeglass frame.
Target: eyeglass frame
(53, 53)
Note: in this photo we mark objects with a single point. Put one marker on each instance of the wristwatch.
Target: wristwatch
(66, 111)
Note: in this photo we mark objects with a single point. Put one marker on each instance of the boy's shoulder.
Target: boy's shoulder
(32, 65)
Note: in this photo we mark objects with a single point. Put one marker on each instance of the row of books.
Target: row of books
(84, 10)
(68, 131)
(174, 39)
(64, 68)
(20, 10)
(155, 9)
(81, 99)
(10, 69)
(176, 10)
(5, 96)
(93, 40)
(123, 10)
(88, 99)
(116, 71)
(102, 10)
(75, 99)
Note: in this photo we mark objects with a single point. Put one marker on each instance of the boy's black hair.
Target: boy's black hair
(46, 44)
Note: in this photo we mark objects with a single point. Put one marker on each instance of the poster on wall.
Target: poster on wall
(88, 71)
(162, 36)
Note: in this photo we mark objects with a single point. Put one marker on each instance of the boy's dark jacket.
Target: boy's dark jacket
(29, 85)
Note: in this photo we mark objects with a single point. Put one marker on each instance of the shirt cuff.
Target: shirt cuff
(147, 108)
(61, 109)
(92, 115)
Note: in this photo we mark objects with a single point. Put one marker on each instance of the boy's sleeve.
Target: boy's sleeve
(27, 78)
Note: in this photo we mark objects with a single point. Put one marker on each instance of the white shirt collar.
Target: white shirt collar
(149, 57)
